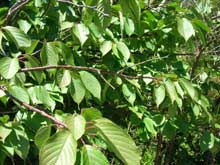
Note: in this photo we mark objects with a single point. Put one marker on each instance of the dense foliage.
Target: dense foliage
(98, 82)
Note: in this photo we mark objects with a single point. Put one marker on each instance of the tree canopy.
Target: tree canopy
(98, 82)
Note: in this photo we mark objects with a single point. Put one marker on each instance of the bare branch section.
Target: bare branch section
(20, 4)
(84, 6)
(31, 108)
(17, 6)
(199, 53)
(91, 69)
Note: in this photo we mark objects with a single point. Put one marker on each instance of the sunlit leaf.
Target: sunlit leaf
(77, 90)
(14, 34)
(170, 88)
(159, 94)
(91, 155)
(81, 32)
(185, 28)
(59, 149)
(19, 93)
(76, 124)
(124, 51)
(129, 93)
(91, 84)
(105, 47)
(118, 141)
(9, 67)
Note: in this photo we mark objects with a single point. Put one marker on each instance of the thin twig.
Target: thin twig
(31, 108)
(84, 6)
(199, 53)
(17, 6)
(92, 69)
(140, 63)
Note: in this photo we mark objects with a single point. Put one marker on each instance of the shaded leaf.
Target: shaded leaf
(49, 54)
(42, 135)
(207, 141)
(91, 114)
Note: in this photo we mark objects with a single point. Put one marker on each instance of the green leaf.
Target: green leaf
(76, 124)
(5, 130)
(20, 142)
(207, 141)
(81, 32)
(179, 89)
(19, 93)
(49, 54)
(105, 47)
(24, 25)
(65, 52)
(91, 114)
(92, 156)
(129, 93)
(189, 88)
(60, 149)
(169, 130)
(39, 95)
(1, 37)
(159, 94)
(131, 8)
(124, 51)
(129, 26)
(14, 34)
(91, 84)
(34, 62)
(9, 67)
(118, 141)
(103, 17)
(170, 88)
(185, 28)
(149, 124)
(66, 79)
(158, 119)
(77, 90)
(42, 135)
(201, 24)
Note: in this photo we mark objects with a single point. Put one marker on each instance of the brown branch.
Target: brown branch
(92, 69)
(33, 109)
(158, 157)
(84, 6)
(17, 6)
(199, 53)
